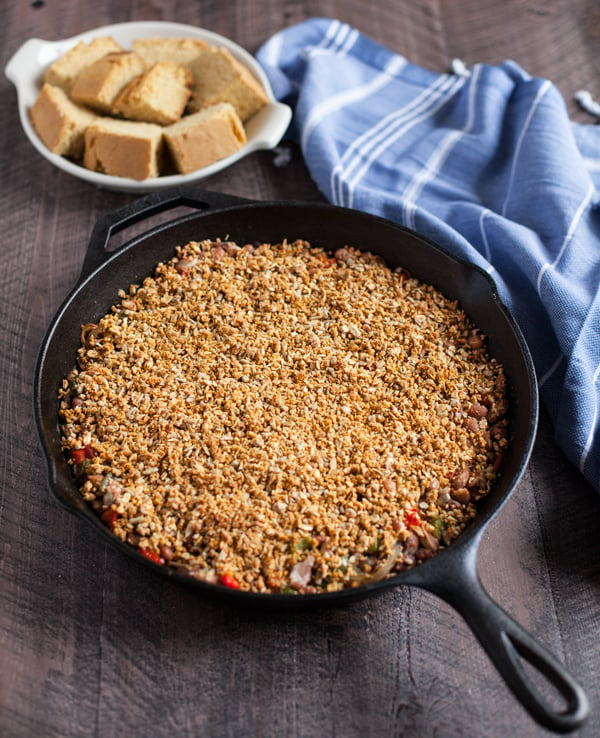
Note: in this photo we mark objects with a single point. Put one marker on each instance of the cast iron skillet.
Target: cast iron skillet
(451, 574)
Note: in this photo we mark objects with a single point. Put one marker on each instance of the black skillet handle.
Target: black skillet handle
(143, 208)
(507, 644)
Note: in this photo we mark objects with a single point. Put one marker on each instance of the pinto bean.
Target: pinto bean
(477, 410)
(477, 485)
(411, 545)
(475, 341)
(433, 490)
(486, 399)
(498, 411)
(342, 254)
(423, 554)
(230, 248)
(428, 541)
(472, 424)
(133, 539)
(476, 481)
(368, 257)
(302, 572)
(166, 552)
(461, 495)
(461, 478)
(218, 252)
(184, 265)
(404, 273)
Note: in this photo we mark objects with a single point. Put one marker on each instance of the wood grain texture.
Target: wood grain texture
(93, 645)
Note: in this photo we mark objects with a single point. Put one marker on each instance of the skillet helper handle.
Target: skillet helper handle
(142, 209)
(509, 645)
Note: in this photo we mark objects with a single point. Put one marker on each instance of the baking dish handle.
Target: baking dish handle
(144, 208)
(508, 645)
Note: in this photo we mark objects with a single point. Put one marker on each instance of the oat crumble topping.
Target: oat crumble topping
(278, 419)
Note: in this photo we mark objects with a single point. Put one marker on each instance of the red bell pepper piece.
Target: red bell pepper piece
(412, 518)
(80, 454)
(498, 463)
(109, 518)
(77, 455)
(228, 581)
(152, 555)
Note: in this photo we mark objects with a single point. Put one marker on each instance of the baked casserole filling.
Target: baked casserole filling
(276, 418)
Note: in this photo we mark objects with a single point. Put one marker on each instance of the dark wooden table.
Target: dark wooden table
(91, 644)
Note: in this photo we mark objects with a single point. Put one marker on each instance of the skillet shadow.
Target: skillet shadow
(569, 510)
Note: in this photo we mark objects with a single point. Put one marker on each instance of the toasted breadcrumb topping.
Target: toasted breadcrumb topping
(279, 419)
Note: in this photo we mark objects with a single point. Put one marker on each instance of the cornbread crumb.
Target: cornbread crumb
(279, 419)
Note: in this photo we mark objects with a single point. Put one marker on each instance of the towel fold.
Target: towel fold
(484, 161)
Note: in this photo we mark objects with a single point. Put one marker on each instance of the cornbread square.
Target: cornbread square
(99, 83)
(218, 78)
(65, 70)
(124, 148)
(179, 50)
(202, 138)
(59, 122)
(159, 95)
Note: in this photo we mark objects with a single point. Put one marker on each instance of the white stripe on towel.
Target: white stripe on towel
(366, 148)
(438, 157)
(486, 245)
(540, 94)
(567, 238)
(336, 36)
(348, 97)
(590, 438)
(273, 49)
(552, 369)
(366, 141)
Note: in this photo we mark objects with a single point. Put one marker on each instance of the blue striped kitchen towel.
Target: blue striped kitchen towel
(485, 162)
